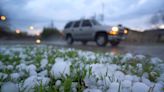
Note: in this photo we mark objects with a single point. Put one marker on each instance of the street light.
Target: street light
(3, 18)
(17, 31)
(37, 33)
(31, 28)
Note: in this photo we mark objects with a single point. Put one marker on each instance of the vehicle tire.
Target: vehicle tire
(69, 39)
(84, 42)
(101, 39)
(114, 43)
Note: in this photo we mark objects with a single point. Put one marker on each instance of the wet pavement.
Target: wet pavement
(151, 49)
(148, 49)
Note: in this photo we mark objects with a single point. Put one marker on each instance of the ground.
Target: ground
(47, 68)
(148, 49)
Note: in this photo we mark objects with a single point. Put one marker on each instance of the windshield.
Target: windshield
(95, 22)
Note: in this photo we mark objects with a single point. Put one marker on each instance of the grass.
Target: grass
(78, 68)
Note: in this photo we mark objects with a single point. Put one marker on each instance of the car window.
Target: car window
(77, 24)
(86, 23)
(68, 25)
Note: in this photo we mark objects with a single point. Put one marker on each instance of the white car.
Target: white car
(90, 30)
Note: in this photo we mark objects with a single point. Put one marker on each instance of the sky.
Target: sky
(41, 13)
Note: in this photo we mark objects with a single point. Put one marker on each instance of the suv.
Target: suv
(85, 30)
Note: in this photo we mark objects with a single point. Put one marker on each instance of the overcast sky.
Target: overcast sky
(39, 13)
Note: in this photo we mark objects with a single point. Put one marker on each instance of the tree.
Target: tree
(49, 32)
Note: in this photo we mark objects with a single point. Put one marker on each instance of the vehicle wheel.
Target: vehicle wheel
(84, 42)
(114, 43)
(69, 39)
(101, 39)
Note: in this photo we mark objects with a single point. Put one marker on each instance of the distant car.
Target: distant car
(85, 30)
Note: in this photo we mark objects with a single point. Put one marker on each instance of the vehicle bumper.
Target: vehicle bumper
(116, 37)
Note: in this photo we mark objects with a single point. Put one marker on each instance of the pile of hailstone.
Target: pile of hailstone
(49, 69)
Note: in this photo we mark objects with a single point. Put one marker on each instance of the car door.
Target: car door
(67, 28)
(75, 30)
(86, 30)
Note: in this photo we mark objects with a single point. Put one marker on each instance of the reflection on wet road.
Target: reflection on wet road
(155, 50)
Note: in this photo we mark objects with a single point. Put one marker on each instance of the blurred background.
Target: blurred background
(45, 19)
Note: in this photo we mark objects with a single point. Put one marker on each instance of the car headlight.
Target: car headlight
(116, 29)
(125, 31)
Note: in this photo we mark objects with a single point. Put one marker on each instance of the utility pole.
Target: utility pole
(52, 24)
(94, 16)
(102, 12)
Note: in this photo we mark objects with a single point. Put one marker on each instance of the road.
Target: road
(152, 49)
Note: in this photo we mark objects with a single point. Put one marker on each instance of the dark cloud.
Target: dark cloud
(23, 13)
(148, 8)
